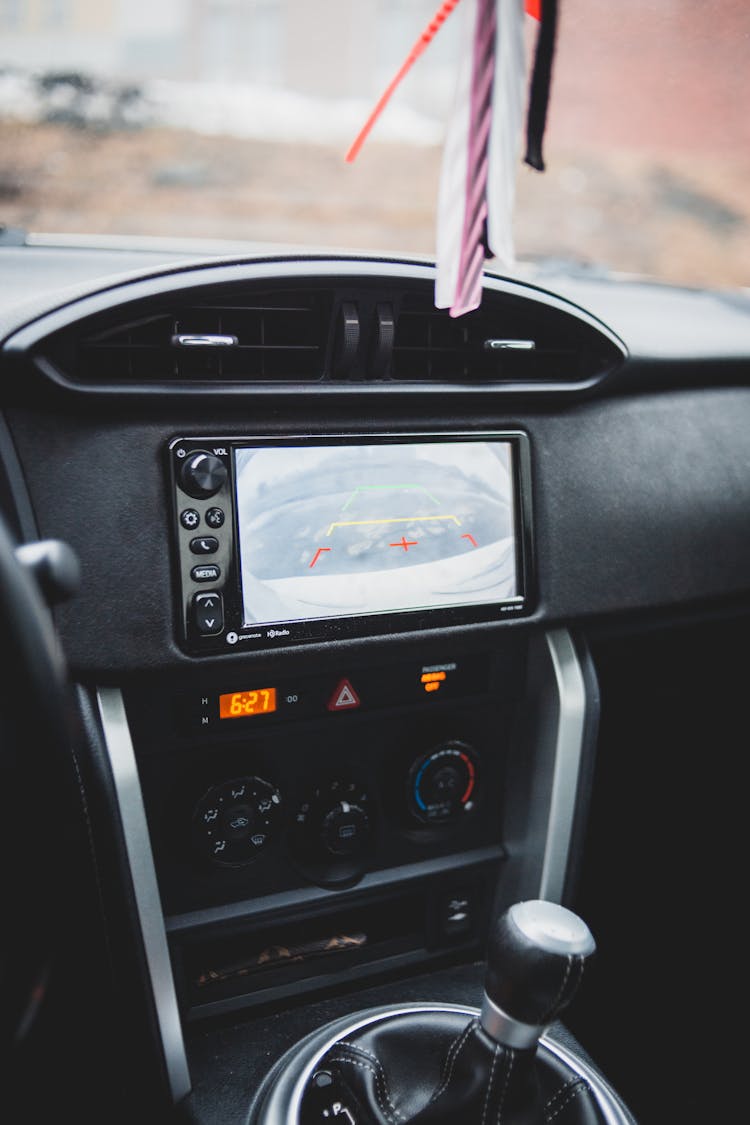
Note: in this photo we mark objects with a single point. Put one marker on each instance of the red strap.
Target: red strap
(424, 40)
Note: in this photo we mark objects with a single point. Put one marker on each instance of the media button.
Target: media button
(208, 572)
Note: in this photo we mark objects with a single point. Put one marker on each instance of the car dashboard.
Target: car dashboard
(386, 620)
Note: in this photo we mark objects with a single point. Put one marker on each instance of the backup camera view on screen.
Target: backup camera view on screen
(341, 530)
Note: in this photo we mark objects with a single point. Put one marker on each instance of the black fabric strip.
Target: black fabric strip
(541, 80)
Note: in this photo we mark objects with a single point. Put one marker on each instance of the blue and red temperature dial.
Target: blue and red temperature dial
(443, 783)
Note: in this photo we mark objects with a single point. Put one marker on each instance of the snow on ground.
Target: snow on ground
(281, 115)
(212, 108)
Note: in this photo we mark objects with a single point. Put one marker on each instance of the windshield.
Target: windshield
(230, 120)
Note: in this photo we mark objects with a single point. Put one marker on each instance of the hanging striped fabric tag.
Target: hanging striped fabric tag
(474, 246)
(477, 186)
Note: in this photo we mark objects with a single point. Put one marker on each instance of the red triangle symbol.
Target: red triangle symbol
(343, 698)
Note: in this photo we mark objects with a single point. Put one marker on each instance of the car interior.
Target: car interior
(299, 823)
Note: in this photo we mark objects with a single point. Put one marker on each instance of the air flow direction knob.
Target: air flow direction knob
(345, 829)
(202, 475)
(235, 820)
(333, 832)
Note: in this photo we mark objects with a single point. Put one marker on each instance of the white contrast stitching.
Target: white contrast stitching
(556, 1001)
(362, 1051)
(381, 1084)
(489, 1086)
(511, 1060)
(562, 1091)
(451, 1057)
(577, 1089)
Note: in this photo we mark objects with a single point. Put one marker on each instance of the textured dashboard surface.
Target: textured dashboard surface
(638, 504)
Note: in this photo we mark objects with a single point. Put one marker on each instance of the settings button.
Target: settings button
(208, 613)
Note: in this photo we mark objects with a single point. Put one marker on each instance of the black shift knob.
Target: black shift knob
(535, 959)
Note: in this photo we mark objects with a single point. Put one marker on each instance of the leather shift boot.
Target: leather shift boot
(434, 1068)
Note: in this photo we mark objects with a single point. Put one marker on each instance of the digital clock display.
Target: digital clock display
(241, 704)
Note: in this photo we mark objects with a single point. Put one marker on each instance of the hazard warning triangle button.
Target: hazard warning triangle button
(344, 697)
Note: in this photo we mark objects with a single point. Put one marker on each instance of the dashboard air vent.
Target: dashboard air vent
(506, 340)
(330, 327)
(263, 337)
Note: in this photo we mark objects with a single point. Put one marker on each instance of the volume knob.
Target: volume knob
(202, 475)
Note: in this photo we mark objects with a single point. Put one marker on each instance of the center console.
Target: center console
(324, 784)
(349, 768)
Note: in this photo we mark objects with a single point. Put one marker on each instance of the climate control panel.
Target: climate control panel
(260, 785)
(331, 827)
(331, 831)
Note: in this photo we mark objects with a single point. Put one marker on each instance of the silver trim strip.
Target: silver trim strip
(571, 702)
(119, 747)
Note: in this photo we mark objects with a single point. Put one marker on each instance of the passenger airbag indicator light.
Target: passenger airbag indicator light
(241, 704)
(432, 680)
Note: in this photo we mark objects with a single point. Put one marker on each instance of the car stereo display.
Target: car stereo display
(337, 531)
(281, 541)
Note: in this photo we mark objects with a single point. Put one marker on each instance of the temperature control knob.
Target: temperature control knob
(233, 822)
(202, 475)
(442, 784)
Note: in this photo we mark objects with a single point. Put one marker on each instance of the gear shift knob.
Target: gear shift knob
(535, 958)
(431, 1065)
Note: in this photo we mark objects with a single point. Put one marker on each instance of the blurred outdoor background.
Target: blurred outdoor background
(230, 119)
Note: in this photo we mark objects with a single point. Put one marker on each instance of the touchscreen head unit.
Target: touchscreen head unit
(287, 540)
